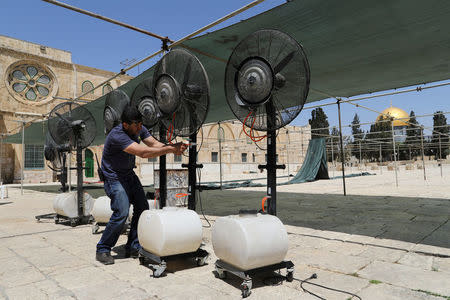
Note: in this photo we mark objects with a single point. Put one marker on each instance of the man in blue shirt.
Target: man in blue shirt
(121, 184)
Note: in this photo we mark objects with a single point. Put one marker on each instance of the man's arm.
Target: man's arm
(152, 142)
(154, 151)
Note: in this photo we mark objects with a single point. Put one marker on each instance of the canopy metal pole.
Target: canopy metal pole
(332, 155)
(220, 154)
(23, 157)
(395, 155)
(287, 151)
(342, 146)
(106, 19)
(69, 171)
(381, 161)
(440, 154)
(176, 43)
(423, 156)
(1, 159)
(360, 167)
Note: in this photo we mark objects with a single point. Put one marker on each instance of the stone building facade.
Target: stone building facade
(34, 79)
(227, 153)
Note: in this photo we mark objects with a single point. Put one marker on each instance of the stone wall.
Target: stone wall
(65, 82)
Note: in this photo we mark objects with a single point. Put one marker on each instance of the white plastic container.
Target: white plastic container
(102, 209)
(66, 204)
(250, 241)
(170, 231)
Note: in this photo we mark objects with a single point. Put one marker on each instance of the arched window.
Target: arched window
(107, 88)
(87, 86)
(220, 134)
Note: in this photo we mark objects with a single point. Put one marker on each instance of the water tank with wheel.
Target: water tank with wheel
(170, 231)
(250, 240)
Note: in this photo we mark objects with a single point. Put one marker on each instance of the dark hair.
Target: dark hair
(131, 114)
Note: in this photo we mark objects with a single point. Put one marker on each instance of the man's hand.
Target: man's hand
(179, 148)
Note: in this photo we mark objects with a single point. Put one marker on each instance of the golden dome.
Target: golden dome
(396, 113)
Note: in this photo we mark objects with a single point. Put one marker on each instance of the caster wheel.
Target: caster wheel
(245, 290)
(141, 260)
(290, 276)
(200, 261)
(56, 220)
(95, 228)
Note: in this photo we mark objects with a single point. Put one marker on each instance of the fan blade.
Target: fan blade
(62, 118)
(283, 63)
(187, 72)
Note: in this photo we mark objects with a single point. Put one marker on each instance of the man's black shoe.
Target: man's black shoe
(105, 258)
(133, 253)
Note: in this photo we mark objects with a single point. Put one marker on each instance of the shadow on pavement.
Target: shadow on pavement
(415, 220)
(409, 219)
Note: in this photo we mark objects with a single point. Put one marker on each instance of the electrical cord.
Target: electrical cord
(314, 276)
(200, 199)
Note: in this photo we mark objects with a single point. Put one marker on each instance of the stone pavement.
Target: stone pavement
(54, 261)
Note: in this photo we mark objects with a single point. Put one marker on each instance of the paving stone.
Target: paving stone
(82, 277)
(382, 253)
(407, 276)
(22, 276)
(421, 261)
(333, 261)
(431, 250)
(110, 289)
(25, 292)
(386, 291)
(441, 264)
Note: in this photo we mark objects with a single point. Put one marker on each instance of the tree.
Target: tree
(440, 131)
(413, 136)
(358, 135)
(380, 134)
(335, 143)
(319, 120)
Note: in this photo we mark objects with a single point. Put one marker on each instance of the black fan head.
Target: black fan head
(52, 154)
(114, 105)
(267, 80)
(72, 124)
(181, 92)
(144, 100)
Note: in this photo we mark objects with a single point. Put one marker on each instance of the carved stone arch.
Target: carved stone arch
(228, 132)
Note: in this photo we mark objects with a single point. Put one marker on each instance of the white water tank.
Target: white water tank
(170, 231)
(249, 241)
(102, 209)
(66, 204)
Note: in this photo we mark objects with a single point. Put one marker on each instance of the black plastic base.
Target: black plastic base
(222, 268)
(158, 263)
(73, 221)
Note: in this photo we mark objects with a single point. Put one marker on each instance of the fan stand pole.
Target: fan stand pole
(271, 165)
(64, 173)
(80, 182)
(162, 172)
(192, 168)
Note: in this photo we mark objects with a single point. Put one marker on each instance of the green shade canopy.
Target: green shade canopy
(354, 47)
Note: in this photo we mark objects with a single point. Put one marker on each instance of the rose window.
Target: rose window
(30, 81)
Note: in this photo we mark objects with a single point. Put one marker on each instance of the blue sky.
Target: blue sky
(102, 45)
